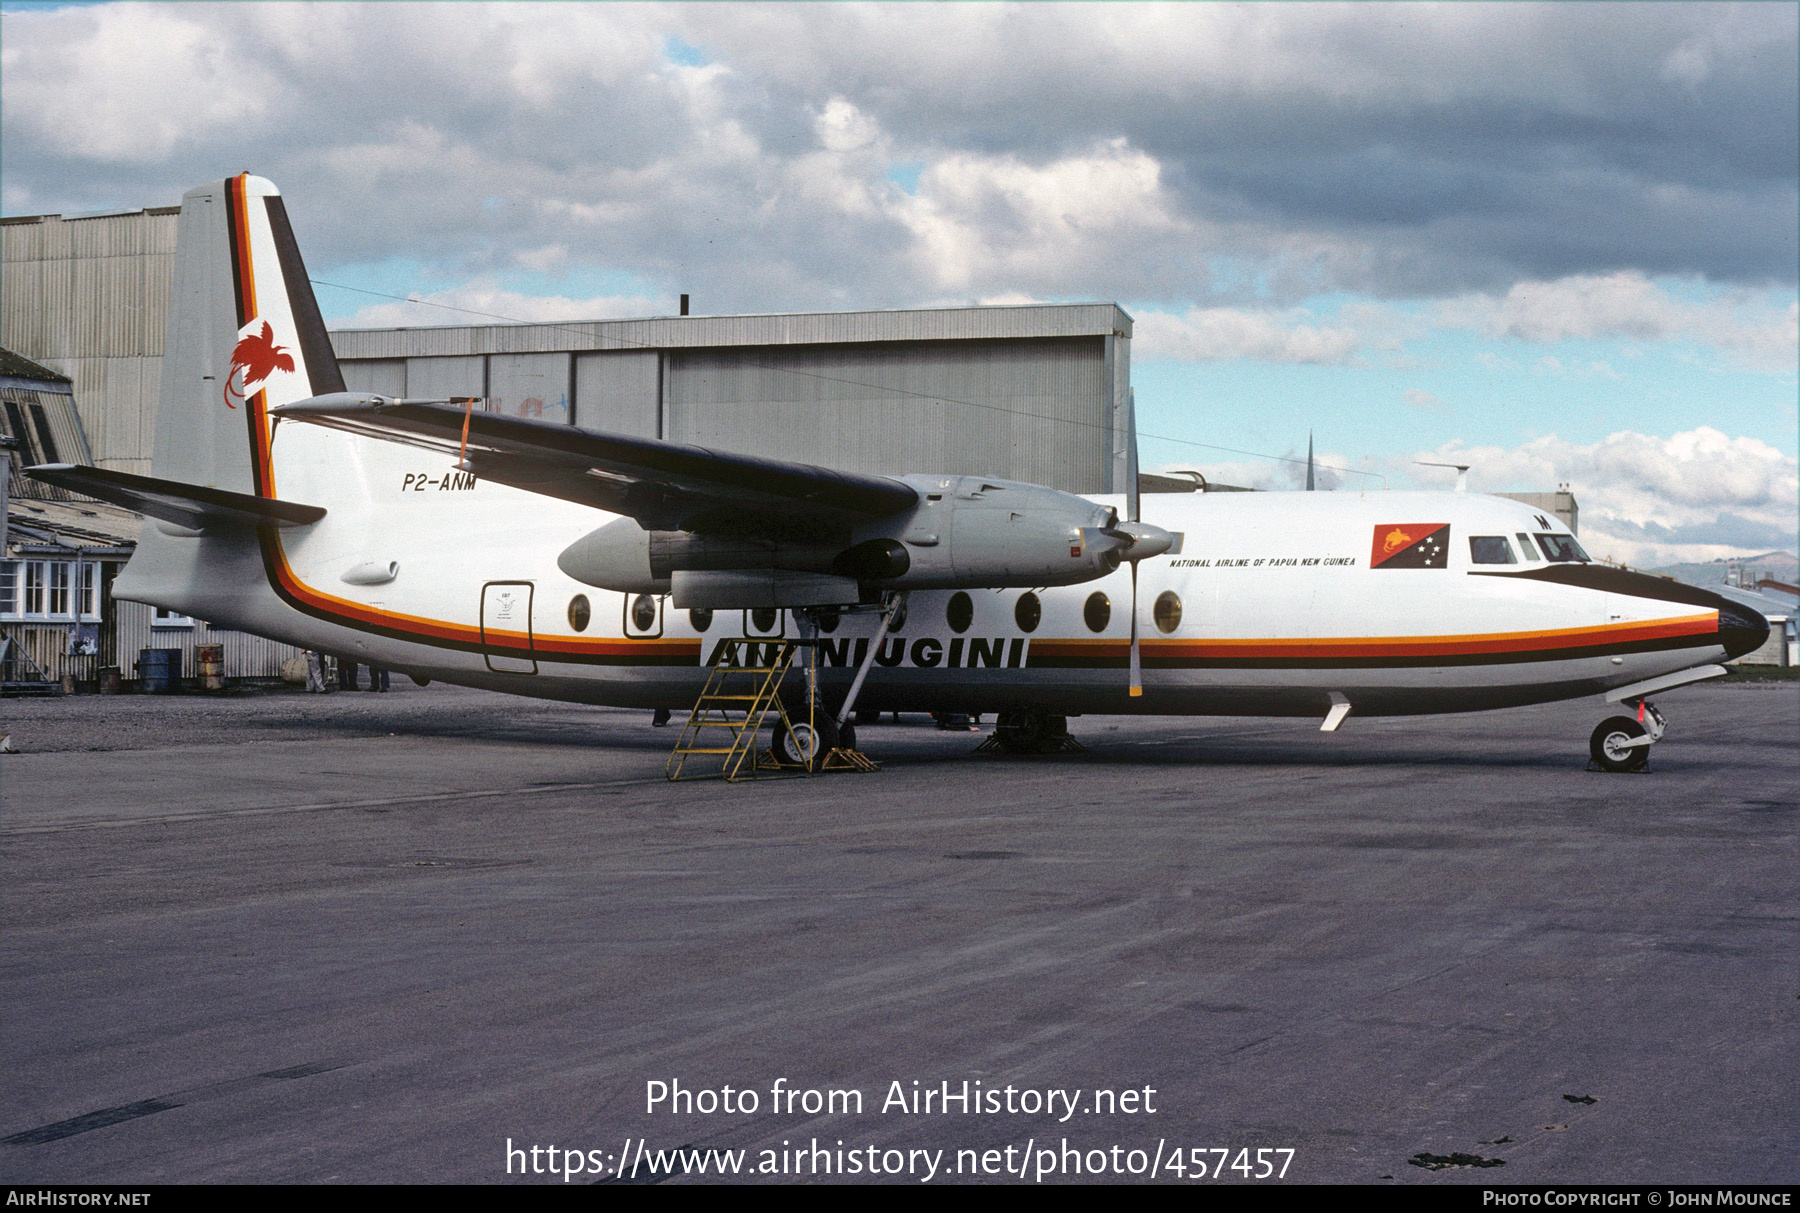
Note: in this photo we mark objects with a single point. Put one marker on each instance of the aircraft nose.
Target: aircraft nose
(1742, 629)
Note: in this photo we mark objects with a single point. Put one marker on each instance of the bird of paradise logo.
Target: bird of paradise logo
(253, 360)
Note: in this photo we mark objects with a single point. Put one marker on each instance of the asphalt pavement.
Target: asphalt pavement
(358, 937)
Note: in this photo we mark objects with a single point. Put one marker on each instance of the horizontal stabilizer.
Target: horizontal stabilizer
(664, 485)
(190, 505)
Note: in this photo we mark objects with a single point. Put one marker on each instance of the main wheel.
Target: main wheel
(804, 744)
(1608, 745)
(1019, 732)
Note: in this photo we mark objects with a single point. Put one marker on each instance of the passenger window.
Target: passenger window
(1167, 611)
(1097, 612)
(1490, 549)
(1561, 548)
(1525, 547)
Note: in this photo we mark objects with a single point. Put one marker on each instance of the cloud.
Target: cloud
(1628, 306)
(1696, 495)
(1210, 156)
(1035, 226)
(1220, 333)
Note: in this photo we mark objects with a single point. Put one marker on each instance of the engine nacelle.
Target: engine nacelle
(965, 532)
(615, 557)
(970, 532)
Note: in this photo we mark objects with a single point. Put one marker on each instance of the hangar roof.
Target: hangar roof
(787, 328)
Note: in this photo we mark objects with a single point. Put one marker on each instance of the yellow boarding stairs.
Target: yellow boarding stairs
(733, 706)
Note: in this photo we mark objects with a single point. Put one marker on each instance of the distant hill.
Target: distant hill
(1782, 566)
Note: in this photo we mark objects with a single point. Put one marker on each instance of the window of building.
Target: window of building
(170, 619)
(34, 588)
(50, 591)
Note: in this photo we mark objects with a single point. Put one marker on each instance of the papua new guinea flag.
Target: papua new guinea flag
(1410, 545)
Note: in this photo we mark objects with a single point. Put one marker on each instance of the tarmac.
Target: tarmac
(281, 938)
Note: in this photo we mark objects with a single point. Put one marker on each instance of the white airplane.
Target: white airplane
(552, 561)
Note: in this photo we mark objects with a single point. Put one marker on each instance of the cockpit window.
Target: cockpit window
(1525, 547)
(1562, 548)
(1490, 549)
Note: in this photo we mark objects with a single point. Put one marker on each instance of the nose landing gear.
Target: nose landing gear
(1622, 743)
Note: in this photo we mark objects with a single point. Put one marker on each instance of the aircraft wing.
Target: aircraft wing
(663, 485)
(194, 506)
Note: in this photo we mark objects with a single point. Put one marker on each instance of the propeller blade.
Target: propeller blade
(1141, 540)
(1137, 677)
(1131, 457)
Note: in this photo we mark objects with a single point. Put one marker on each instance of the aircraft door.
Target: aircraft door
(506, 636)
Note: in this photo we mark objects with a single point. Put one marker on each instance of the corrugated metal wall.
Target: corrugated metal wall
(1029, 393)
(620, 392)
(89, 298)
(384, 377)
(246, 656)
(133, 629)
(47, 645)
(1022, 409)
(538, 386)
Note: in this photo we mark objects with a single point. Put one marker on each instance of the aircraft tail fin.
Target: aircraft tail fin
(244, 335)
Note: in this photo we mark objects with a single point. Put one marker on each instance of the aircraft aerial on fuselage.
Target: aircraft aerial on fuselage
(548, 560)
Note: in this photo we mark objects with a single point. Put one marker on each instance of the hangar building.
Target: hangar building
(1030, 393)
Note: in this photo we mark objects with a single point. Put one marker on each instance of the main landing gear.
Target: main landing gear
(1622, 743)
(1030, 731)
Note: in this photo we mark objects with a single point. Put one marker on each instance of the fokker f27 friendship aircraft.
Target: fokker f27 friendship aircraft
(554, 561)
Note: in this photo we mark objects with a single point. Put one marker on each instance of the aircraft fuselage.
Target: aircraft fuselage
(1274, 603)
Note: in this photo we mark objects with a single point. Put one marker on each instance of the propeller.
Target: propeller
(1142, 540)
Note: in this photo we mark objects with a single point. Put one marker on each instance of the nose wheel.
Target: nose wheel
(1622, 743)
